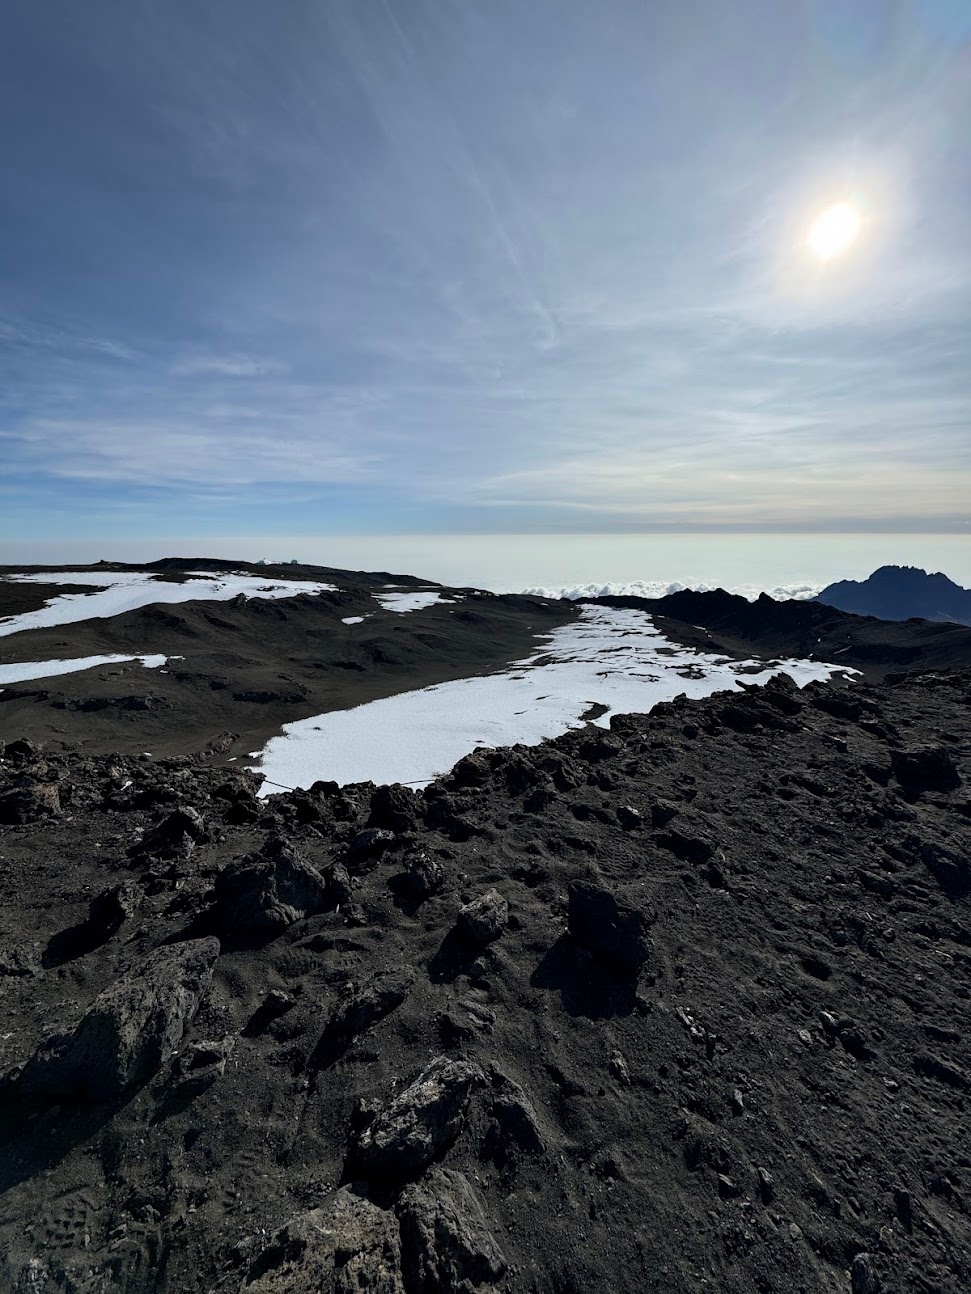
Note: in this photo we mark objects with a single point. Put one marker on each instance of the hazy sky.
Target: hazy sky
(299, 266)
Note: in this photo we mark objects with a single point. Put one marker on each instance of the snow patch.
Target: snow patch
(28, 670)
(118, 592)
(352, 620)
(609, 657)
(410, 601)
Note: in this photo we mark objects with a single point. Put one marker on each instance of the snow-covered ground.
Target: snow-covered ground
(116, 592)
(661, 589)
(410, 601)
(609, 657)
(25, 671)
(352, 620)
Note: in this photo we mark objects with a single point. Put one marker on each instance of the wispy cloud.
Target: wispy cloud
(541, 264)
(226, 366)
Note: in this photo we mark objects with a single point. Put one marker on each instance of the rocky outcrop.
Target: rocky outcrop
(130, 1030)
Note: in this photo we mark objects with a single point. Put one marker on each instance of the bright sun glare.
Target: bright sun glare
(833, 230)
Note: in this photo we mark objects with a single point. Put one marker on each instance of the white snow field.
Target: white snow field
(27, 670)
(410, 601)
(114, 593)
(609, 657)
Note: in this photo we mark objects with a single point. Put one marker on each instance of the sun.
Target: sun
(834, 230)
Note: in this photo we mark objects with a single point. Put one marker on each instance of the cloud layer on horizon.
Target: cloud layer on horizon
(437, 266)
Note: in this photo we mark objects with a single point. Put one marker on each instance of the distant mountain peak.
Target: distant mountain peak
(902, 593)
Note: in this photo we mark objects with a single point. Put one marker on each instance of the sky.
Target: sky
(482, 266)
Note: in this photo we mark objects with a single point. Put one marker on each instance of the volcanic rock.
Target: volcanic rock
(344, 1246)
(925, 768)
(406, 1135)
(265, 892)
(130, 1030)
(483, 920)
(445, 1238)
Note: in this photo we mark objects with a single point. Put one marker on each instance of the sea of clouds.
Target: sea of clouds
(660, 589)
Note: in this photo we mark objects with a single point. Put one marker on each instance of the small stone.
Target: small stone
(738, 1101)
(483, 920)
(618, 1067)
(766, 1184)
(805, 1037)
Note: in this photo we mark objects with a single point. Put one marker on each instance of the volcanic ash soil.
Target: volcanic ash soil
(679, 1005)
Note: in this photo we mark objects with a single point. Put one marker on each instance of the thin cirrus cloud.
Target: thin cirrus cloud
(529, 263)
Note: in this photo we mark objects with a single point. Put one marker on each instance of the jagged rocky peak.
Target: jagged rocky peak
(902, 593)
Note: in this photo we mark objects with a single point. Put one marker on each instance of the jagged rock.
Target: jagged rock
(21, 751)
(445, 1238)
(19, 963)
(339, 885)
(346, 1246)
(483, 920)
(514, 1113)
(863, 1276)
(689, 848)
(607, 925)
(370, 1001)
(629, 818)
(925, 768)
(202, 1063)
(617, 1065)
(179, 832)
(394, 808)
(26, 804)
(130, 1030)
(951, 870)
(422, 876)
(408, 1133)
(114, 906)
(266, 892)
(370, 843)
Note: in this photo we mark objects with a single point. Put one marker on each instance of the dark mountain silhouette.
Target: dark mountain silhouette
(901, 593)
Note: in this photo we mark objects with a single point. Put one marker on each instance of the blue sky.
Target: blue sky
(393, 266)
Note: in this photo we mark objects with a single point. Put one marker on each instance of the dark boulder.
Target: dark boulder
(405, 1136)
(264, 893)
(925, 768)
(371, 1000)
(26, 804)
(130, 1030)
(345, 1246)
(178, 833)
(483, 920)
(445, 1238)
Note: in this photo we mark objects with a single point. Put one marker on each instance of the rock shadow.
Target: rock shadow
(455, 957)
(587, 985)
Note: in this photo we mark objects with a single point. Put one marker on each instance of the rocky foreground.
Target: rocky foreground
(680, 1005)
